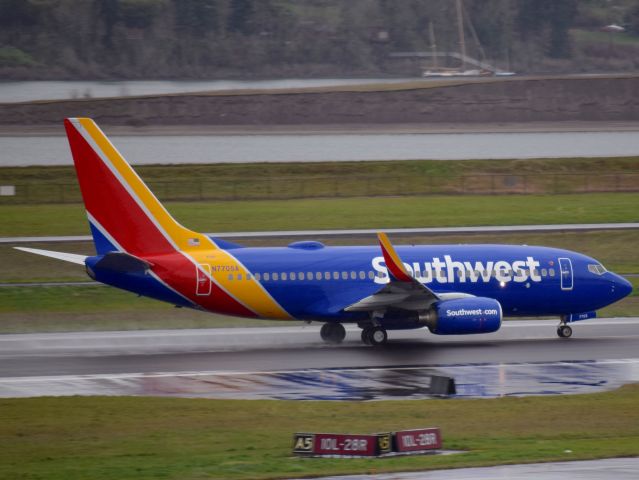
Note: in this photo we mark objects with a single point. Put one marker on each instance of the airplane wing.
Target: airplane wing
(67, 257)
(403, 291)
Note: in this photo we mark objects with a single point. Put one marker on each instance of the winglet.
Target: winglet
(394, 264)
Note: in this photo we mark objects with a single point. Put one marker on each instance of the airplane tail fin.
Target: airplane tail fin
(123, 213)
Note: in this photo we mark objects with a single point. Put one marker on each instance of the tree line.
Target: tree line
(270, 38)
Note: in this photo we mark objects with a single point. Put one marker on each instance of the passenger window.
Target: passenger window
(276, 276)
(353, 275)
(362, 275)
(318, 276)
(230, 276)
(551, 271)
(335, 275)
(544, 272)
(371, 275)
(239, 276)
(267, 276)
(344, 275)
(284, 276)
(293, 276)
(327, 275)
(257, 277)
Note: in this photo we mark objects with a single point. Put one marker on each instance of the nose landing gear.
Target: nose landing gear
(564, 331)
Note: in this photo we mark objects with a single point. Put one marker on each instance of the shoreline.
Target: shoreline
(55, 130)
(525, 104)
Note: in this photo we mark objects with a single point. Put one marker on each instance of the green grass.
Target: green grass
(149, 438)
(343, 179)
(100, 308)
(72, 299)
(363, 212)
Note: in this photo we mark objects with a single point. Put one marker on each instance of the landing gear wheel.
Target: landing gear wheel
(378, 336)
(564, 331)
(333, 333)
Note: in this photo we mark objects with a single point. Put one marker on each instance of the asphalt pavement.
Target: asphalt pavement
(617, 468)
(524, 357)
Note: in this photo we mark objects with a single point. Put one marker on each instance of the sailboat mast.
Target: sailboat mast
(460, 29)
(433, 44)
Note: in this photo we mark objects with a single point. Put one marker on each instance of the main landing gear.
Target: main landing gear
(374, 336)
(333, 333)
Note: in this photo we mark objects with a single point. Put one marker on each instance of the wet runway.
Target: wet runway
(524, 357)
(617, 468)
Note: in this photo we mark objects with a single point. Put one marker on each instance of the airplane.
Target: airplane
(449, 289)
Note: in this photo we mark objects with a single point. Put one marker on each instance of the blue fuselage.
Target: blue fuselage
(318, 283)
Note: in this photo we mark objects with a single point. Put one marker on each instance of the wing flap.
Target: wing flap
(407, 296)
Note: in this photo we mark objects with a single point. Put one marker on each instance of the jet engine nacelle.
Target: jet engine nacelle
(464, 316)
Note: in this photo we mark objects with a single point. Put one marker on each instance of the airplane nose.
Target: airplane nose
(621, 287)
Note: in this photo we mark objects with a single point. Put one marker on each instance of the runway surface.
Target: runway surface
(617, 468)
(358, 232)
(524, 357)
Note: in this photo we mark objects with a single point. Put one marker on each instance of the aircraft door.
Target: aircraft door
(203, 286)
(565, 272)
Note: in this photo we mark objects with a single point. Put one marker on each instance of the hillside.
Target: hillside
(188, 39)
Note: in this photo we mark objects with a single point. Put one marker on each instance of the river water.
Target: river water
(47, 150)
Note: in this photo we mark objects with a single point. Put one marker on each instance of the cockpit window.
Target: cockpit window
(597, 269)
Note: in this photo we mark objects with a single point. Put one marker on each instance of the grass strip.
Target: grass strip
(247, 181)
(346, 213)
(150, 438)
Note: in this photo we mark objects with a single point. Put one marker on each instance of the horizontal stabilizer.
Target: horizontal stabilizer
(67, 257)
(122, 262)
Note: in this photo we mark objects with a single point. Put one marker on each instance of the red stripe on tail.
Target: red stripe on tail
(108, 201)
